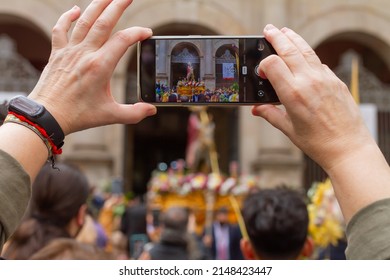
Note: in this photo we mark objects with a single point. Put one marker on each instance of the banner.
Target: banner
(228, 71)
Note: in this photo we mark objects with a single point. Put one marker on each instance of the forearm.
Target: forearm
(15, 192)
(360, 179)
(25, 146)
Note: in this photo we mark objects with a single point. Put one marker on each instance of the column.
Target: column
(209, 60)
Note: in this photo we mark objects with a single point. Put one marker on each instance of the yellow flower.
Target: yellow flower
(324, 222)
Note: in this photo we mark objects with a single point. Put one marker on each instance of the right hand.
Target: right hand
(320, 115)
(75, 85)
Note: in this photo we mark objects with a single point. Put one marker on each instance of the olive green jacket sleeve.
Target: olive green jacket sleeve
(368, 232)
(15, 193)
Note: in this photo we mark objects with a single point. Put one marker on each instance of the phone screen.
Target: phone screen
(203, 70)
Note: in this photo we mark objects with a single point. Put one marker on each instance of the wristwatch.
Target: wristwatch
(38, 114)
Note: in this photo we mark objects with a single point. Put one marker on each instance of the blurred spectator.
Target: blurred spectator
(225, 238)
(57, 210)
(277, 224)
(93, 232)
(133, 226)
(70, 249)
(175, 241)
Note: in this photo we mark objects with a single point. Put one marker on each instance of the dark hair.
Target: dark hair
(176, 218)
(3, 112)
(57, 196)
(277, 222)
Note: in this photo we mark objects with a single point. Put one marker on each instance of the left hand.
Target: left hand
(75, 85)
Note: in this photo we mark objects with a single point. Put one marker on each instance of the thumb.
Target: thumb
(276, 116)
(134, 113)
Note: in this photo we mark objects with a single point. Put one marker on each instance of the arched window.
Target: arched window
(185, 64)
(226, 67)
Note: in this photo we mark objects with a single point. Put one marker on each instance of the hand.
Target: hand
(320, 116)
(75, 85)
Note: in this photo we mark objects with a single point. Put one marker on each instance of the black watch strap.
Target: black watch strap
(37, 113)
(53, 129)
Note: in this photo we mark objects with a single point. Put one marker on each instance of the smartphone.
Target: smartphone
(203, 70)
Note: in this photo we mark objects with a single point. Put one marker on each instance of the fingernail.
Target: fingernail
(152, 111)
(75, 7)
(269, 27)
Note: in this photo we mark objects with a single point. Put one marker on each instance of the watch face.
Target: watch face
(26, 106)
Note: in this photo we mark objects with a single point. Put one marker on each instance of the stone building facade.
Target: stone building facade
(331, 28)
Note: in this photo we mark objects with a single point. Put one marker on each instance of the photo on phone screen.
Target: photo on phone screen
(206, 70)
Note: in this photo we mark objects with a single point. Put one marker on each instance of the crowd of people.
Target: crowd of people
(66, 219)
(204, 95)
(319, 116)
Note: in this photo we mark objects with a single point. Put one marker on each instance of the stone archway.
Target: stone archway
(17, 73)
(24, 51)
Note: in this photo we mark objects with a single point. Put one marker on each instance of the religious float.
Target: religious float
(189, 88)
(202, 190)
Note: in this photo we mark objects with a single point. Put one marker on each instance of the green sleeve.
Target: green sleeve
(368, 232)
(15, 193)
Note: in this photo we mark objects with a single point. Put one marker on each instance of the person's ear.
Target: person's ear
(247, 249)
(81, 214)
(308, 248)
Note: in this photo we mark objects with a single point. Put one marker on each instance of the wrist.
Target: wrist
(25, 146)
(36, 114)
(360, 179)
(51, 108)
(335, 152)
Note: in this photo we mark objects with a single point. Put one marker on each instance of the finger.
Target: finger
(113, 50)
(285, 48)
(102, 28)
(60, 30)
(274, 115)
(279, 75)
(133, 113)
(87, 19)
(307, 51)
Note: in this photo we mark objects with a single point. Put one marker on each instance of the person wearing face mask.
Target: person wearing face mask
(57, 210)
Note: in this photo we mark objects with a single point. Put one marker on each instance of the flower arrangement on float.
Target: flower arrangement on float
(174, 181)
(326, 224)
(185, 87)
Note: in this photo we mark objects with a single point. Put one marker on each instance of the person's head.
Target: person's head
(277, 225)
(222, 216)
(174, 222)
(57, 209)
(175, 218)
